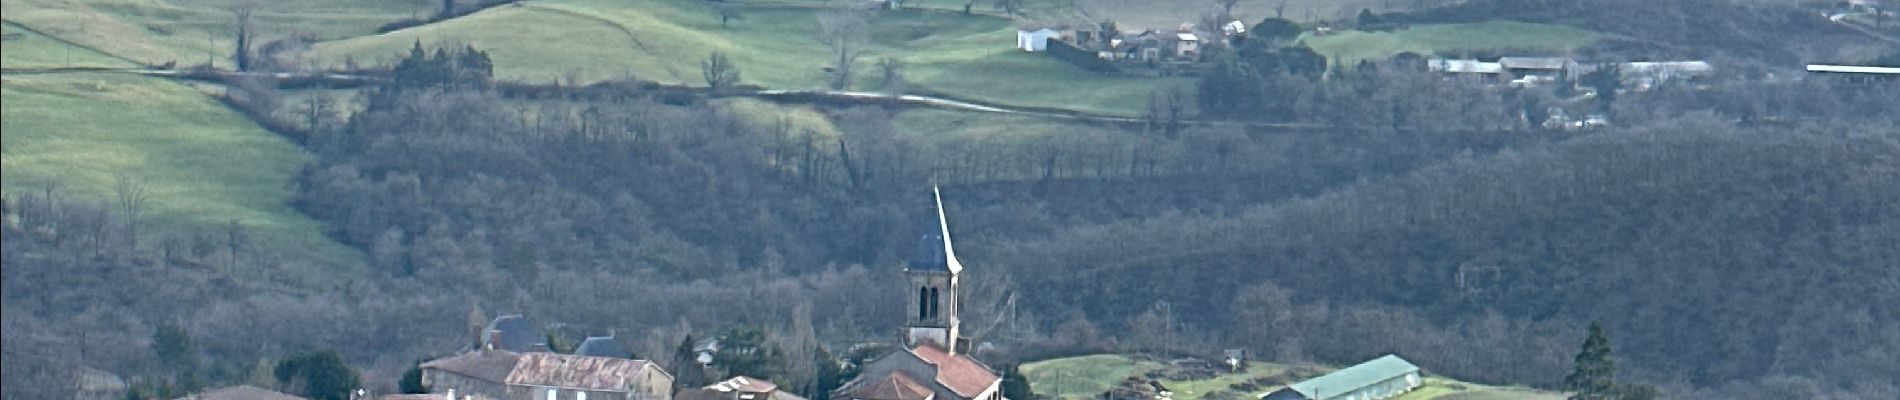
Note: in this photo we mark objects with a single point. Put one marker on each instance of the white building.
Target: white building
(1036, 40)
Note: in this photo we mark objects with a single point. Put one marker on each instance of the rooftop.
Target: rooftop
(959, 373)
(492, 365)
(576, 371)
(934, 250)
(603, 346)
(1354, 377)
(896, 385)
(240, 393)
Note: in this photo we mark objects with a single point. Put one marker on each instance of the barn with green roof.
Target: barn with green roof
(1382, 378)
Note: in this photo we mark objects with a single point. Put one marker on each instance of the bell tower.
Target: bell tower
(932, 274)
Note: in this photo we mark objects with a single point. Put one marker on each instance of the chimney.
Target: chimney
(494, 340)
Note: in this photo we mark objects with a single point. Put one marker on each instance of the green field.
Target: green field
(24, 49)
(1347, 48)
(201, 163)
(967, 56)
(1085, 377)
(196, 31)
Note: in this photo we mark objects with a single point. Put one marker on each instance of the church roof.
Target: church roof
(896, 385)
(517, 334)
(934, 250)
(957, 372)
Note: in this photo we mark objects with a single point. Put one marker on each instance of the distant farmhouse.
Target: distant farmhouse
(934, 364)
(738, 388)
(1534, 71)
(1379, 379)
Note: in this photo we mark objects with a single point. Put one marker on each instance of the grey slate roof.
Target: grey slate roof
(240, 393)
(934, 250)
(1354, 377)
(602, 346)
(1544, 63)
(517, 334)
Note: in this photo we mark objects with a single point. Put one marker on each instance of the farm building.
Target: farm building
(1382, 378)
(1035, 40)
(1553, 67)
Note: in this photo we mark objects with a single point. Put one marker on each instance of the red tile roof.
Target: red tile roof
(896, 385)
(959, 373)
(576, 372)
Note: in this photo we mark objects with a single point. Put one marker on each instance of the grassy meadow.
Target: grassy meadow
(961, 55)
(25, 49)
(201, 163)
(197, 31)
(1348, 47)
(1084, 377)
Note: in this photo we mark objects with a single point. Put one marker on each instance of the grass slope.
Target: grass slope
(201, 163)
(1085, 377)
(194, 31)
(25, 49)
(665, 40)
(1347, 48)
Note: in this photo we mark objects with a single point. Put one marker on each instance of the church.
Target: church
(934, 363)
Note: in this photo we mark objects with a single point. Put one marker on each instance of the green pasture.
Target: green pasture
(1349, 47)
(201, 164)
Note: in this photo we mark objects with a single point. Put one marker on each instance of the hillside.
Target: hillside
(1713, 249)
(1449, 40)
(968, 56)
(199, 164)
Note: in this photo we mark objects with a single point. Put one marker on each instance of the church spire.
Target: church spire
(932, 272)
(935, 250)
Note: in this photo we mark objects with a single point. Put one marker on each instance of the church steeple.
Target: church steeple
(933, 271)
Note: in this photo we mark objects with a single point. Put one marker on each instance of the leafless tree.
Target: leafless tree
(1010, 7)
(728, 12)
(843, 30)
(720, 73)
(241, 13)
(892, 79)
(131, 194)
(1227, 6)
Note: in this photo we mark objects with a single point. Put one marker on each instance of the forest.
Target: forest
(1737, 238)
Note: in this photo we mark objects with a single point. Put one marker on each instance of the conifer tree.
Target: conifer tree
(1595, 375)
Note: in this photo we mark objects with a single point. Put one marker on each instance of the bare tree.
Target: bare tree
(241, 13)
(448, 10)
(1227, 6)
(720, 73)
(1279, 11)
(728, 12)
(892, 79)
(843, 30)
(1010, 6)
(131, 194)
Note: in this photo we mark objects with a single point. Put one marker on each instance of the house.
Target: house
(516, 334)
(1379, 379)
(704, 350)
(1549, 67)
(1187, 46)
(240, 393)
(1643, 75)
(1489, 71)
(495, 373)
(738, 388)
(549, 376)
(933, 365)
(482, 372)
(603, 346)
(1035, 40)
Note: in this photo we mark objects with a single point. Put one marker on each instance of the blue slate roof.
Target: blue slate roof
(934, 251)
(517, 334)
(602, 346)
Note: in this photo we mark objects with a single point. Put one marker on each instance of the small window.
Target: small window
(580, 395)
(553, 394)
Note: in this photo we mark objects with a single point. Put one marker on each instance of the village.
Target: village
(511, 358)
